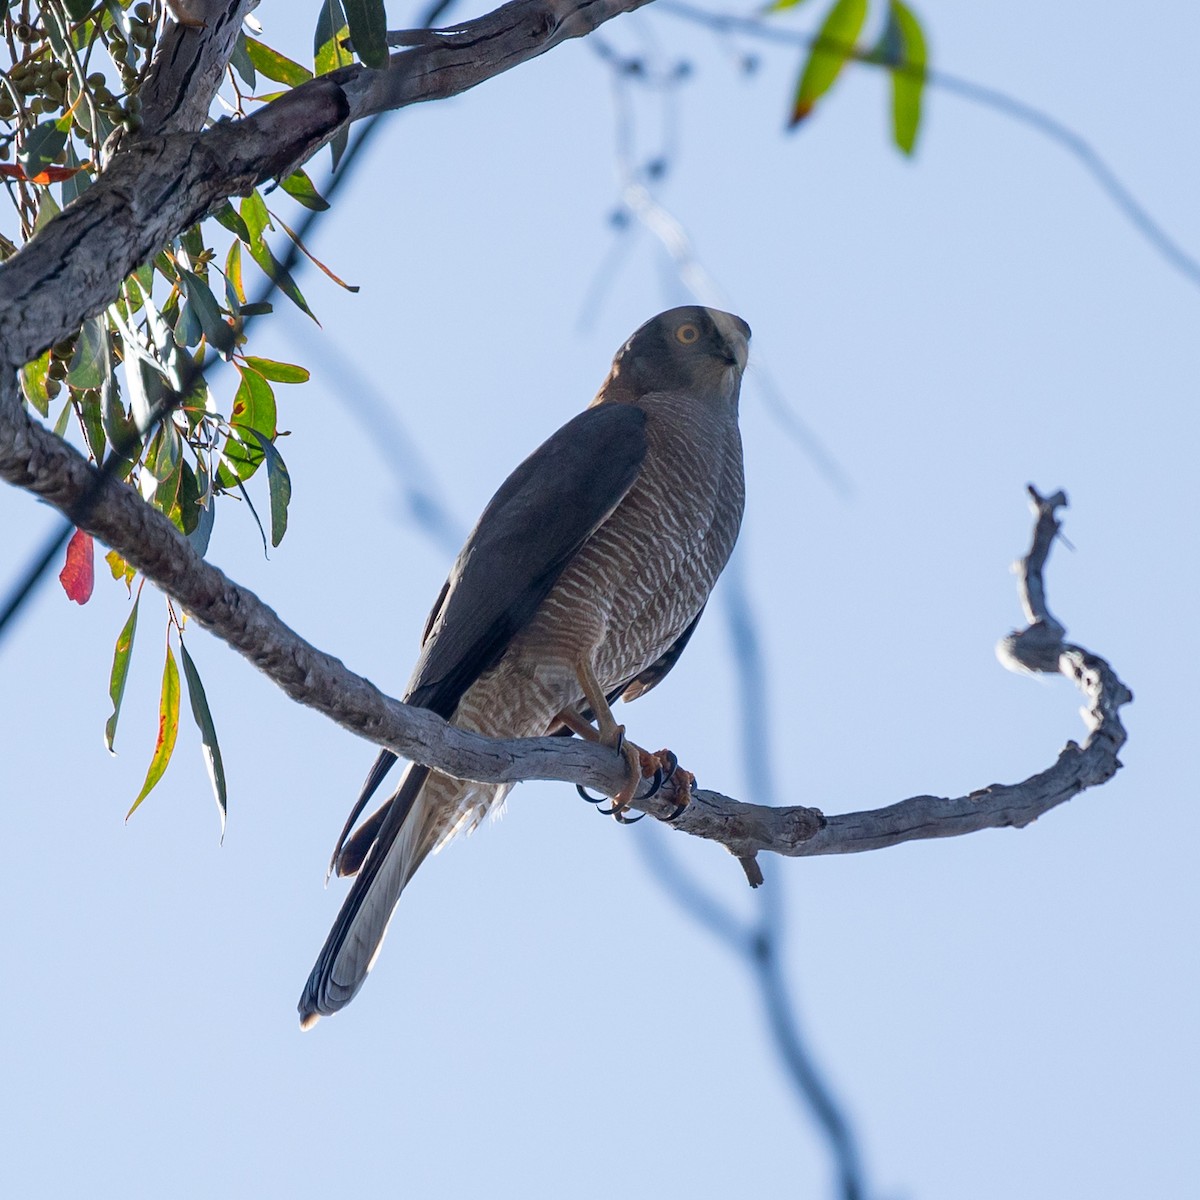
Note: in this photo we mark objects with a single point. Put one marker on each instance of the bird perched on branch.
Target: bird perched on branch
(582, 582)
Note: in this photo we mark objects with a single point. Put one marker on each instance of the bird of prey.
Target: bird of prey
(583, 581)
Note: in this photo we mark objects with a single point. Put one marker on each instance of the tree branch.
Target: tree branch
(161, 183)
(34, 459)
(189, 62)
(1041, 648)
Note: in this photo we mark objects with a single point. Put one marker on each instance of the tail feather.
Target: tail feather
(404, 839)
(366, 835)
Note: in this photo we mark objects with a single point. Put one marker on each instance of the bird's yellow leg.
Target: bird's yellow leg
(609, 733)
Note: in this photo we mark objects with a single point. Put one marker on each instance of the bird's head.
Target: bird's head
(683, 349)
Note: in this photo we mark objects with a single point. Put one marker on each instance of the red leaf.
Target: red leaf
(79, 574)
(44, 176)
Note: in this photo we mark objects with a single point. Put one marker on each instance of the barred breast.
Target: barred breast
(631, 591)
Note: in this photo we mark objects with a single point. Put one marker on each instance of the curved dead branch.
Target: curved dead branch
(1038, 648)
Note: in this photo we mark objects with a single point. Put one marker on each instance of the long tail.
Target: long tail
(405, 837)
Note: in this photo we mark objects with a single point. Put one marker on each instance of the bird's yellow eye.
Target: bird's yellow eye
(687, 334)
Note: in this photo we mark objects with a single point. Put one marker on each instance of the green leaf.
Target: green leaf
(205, 509)
(834, 44)
(77, 184)
(781, 6)
(368, 31)
(168, 730)
(300, 188)
(119, 426)
(337, 146)
(42, 147)
(241, 62)
(188, 330)
(64, 419)
(254, 513)
(164, 460)
(228, 216)
(254, 213)
(91, 355)
(192, 240)
(199, 537)
(276, 66)
(204, 304)
(277, 372)
(253, 409)
(93, 424)
(208, 732)
(279, 485)
(235, 289)
(254, 402)
(908, 62)
(331, 32)
(34, 376)
(79, 8)
(120, 670)
(47, 210)
(121, 569)
(312, 258)
(260, 309)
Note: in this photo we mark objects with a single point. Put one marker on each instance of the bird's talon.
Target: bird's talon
(622, 819)
(686, 788)
(672, 762)
(657, 782)
(585, 795)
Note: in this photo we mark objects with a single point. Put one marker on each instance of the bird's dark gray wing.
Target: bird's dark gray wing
(544, 511)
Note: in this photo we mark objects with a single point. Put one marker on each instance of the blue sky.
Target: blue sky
(1009, 1014)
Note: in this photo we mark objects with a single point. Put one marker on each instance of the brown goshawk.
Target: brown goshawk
(583, 581)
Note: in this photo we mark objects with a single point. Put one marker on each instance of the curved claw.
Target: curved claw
(672, 764)
(657, 782)
(622, 819)
(689, 791)
(584, 794)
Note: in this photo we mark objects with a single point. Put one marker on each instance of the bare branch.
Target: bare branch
(33, 458)
(1037, 648)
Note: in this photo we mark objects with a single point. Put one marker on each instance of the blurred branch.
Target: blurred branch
(639, 181)
(761, 944)
(1061, 134)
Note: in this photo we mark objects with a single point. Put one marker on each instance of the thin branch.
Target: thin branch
(1018, 110)
(1040, 647)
